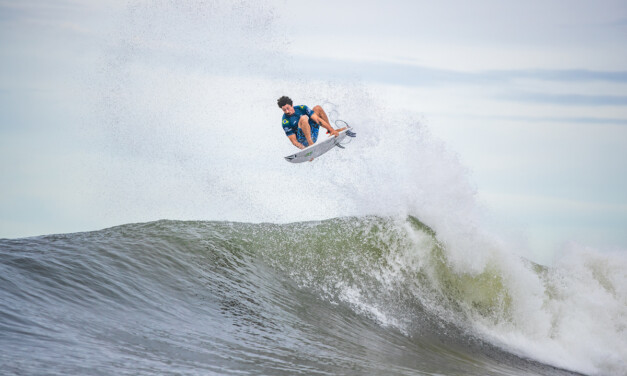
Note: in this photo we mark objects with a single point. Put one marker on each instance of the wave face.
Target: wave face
(352, 296)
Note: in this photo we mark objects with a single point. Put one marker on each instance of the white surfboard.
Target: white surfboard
(317, 149)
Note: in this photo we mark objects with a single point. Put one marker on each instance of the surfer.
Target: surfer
(301, 124)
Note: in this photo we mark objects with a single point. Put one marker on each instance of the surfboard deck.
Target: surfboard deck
(317, 149)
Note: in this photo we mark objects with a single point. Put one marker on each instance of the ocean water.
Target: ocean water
(364, 295)
(369, 261)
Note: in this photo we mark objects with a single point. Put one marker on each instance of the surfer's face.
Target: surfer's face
(288, 109)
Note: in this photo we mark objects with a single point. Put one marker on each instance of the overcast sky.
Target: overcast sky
(121, 111)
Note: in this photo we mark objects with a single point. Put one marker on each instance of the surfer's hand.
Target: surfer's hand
(334, 133)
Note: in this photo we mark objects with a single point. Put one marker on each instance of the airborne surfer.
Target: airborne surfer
(301, 124)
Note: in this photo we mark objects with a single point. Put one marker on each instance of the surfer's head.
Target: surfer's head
(285, 103)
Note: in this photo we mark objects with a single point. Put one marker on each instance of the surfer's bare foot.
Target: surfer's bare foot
(337, 130)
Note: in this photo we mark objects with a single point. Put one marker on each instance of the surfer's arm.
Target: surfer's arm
(324, 124)
(294, 141)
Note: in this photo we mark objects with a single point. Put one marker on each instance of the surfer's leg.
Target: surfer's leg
(303, 124)
(318, 110)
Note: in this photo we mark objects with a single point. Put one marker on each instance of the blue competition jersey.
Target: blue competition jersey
(290, 123)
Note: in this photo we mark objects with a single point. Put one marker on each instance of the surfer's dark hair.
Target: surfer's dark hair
(283, 101)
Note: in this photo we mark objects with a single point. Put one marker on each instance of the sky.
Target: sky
(123, 111)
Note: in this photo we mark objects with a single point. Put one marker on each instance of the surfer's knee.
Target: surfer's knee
(318, 109)
(303, 120)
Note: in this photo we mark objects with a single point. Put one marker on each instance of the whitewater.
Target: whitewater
(223, 259)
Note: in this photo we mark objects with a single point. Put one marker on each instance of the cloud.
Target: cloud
(620, 23)
(566, 99)
(36, 9)
(416, 75)
(577, 75)
(547, 119)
